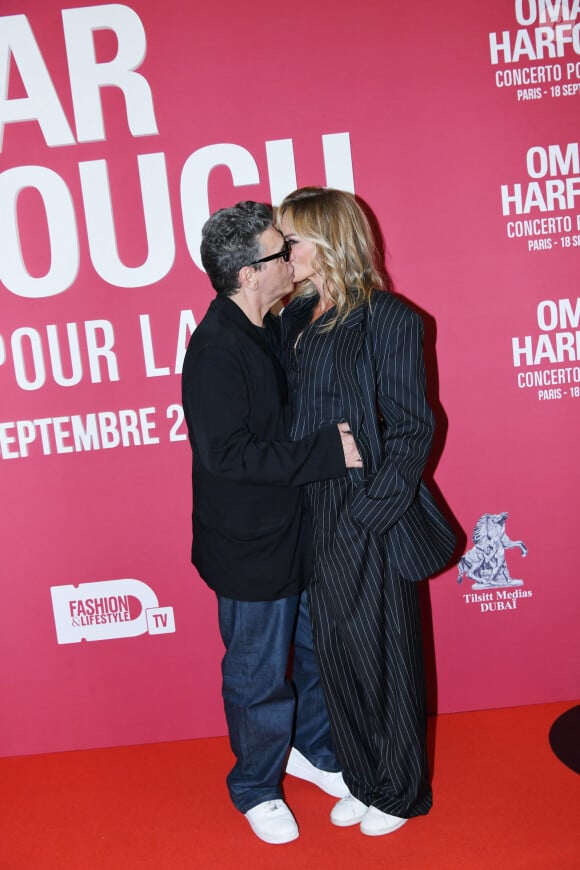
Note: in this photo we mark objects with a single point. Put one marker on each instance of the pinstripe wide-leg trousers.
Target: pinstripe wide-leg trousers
(367, 636)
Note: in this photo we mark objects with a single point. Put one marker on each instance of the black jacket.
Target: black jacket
(251, 539)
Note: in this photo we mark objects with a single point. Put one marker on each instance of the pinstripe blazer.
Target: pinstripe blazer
(378, 358)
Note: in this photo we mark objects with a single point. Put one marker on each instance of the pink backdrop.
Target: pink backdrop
(121, 128)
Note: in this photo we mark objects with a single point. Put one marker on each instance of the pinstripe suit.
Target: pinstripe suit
(375, 531)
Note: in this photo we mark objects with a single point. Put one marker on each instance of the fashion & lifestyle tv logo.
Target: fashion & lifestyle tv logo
(108, 609)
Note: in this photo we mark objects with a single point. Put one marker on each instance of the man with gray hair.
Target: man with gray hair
(251, 536)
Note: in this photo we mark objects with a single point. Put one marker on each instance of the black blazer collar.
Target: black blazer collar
(231, 313)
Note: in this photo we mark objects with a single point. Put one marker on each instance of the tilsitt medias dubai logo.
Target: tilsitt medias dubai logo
(485, 564)
(108, 609)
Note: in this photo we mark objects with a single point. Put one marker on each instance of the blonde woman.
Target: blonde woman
(354, 352)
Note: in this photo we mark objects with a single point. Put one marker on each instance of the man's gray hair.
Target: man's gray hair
(229, 241)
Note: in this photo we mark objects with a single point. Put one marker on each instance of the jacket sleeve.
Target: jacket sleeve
(406, 420)
(217, 410)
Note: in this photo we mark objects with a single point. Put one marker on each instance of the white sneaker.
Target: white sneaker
(348, 811)
(375, 823)
(331, 783)
(273, 822)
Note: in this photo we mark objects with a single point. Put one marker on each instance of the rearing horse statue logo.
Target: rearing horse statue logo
(485, 563)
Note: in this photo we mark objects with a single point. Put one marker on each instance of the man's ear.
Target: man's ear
(247, 278)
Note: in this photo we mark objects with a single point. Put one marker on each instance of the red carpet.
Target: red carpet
(502, 800)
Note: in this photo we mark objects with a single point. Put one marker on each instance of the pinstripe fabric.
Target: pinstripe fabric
(374, 531)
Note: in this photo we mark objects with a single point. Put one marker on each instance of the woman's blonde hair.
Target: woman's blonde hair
(345, 251)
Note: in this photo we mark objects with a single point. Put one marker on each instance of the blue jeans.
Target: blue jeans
(265, 711)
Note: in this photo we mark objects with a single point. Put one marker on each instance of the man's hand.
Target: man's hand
(351, 455)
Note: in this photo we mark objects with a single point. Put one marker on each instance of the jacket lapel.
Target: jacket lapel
(355, 370)
(348, 341)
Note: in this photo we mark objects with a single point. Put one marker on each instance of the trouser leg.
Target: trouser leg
(346, 699)
(258, 697)
(403, 740)
(382, 752)
(312, 735)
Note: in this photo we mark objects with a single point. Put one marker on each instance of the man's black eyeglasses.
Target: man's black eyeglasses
(284, 253)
